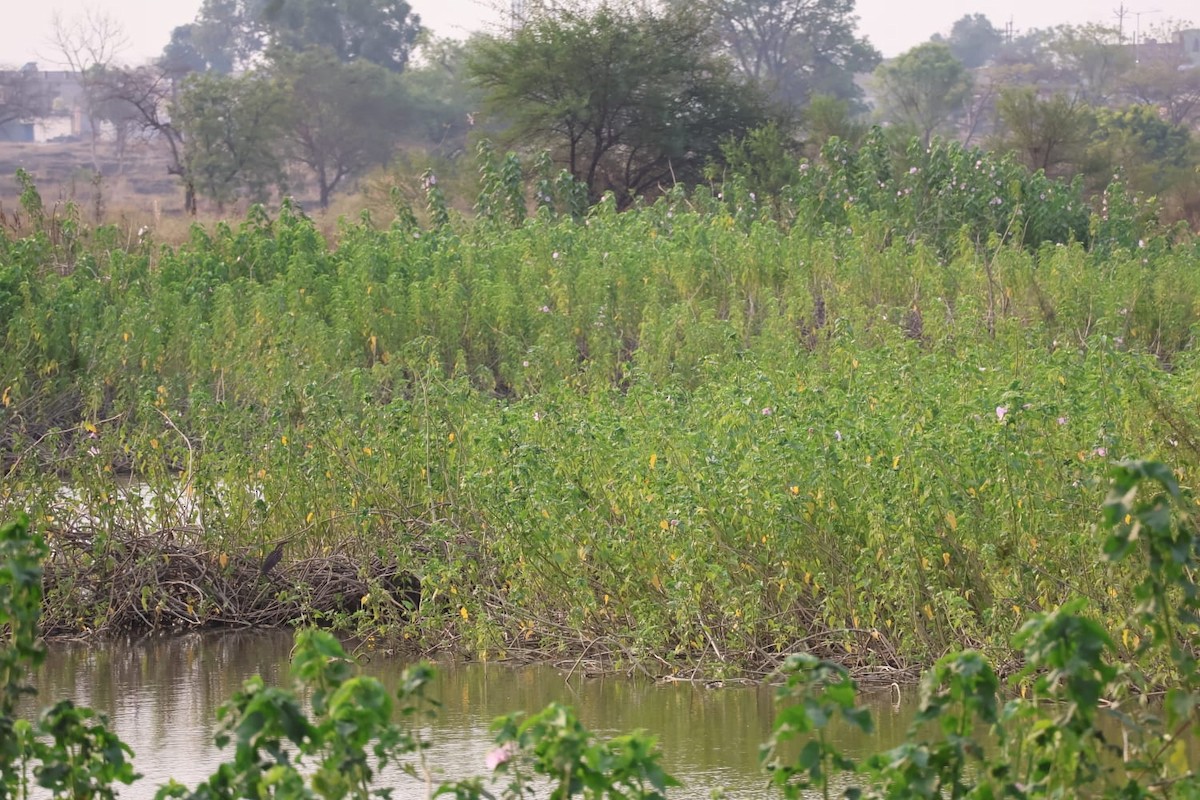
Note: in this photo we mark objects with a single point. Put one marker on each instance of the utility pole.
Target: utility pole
(1121, 12)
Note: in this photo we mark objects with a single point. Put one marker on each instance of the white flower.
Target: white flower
(837, 435)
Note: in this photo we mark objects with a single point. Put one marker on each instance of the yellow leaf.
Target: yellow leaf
(223, 560)
(854, 363)
(946, 559)
(87, 426)
(462, 612)
(928, 611)
(451, 437)
(896, 462)
(655, 582)
(606, 599)
(6, 398)
(1177, 761)
(154, 443)
(653, 460)
(309, 517)
(952, 520)
(664, 524)
(283, 440)
(365, 599)
(367, 451)
(924, 562)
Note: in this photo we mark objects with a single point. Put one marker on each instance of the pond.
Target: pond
(161, 695)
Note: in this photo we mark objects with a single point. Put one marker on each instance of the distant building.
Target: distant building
(42, 105)
(1183, 49)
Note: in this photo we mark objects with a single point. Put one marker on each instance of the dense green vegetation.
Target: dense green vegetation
(332, 733)
(871, 419)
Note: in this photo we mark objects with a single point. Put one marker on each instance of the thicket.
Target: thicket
(1081, 725)
(870, 420)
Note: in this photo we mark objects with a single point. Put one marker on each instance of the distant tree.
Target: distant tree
(923, 88)
(229, 35)
(973, 40)
(197, 48)
(626, 98)
(340, 118)
(146, 94)
(383, 32)
(1152, 154)
(794, 49)
(232, 128)
(1044, 133)
(441, 98)
(1090, 61)
(826, 117)
(1167, 79)
(89, 45)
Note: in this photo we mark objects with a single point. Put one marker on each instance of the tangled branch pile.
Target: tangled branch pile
(158, 582)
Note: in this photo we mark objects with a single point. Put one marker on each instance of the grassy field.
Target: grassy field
(698, 434)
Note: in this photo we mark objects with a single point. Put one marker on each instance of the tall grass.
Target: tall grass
(690, 433)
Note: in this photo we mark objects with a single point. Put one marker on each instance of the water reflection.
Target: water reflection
(162, 695)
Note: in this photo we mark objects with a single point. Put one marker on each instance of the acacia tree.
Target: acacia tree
(627, 99)
(924, 87)
(794, 49)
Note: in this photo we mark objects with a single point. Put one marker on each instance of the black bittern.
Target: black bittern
(274, 556)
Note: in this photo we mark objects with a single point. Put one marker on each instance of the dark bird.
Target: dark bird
(274, 556)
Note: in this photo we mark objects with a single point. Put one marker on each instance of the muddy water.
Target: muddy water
(161, 696)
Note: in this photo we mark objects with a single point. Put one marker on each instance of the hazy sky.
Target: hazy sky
(892, 25)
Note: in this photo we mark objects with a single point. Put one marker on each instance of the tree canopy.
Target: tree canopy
(973, 40)
(924, 87)
(627, 99)
(230, 34)
(794, 49)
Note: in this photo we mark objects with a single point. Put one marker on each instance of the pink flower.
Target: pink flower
(1062, 420)
(500, 755)
(766, 412)
(1001, 412)
(1101, 451)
